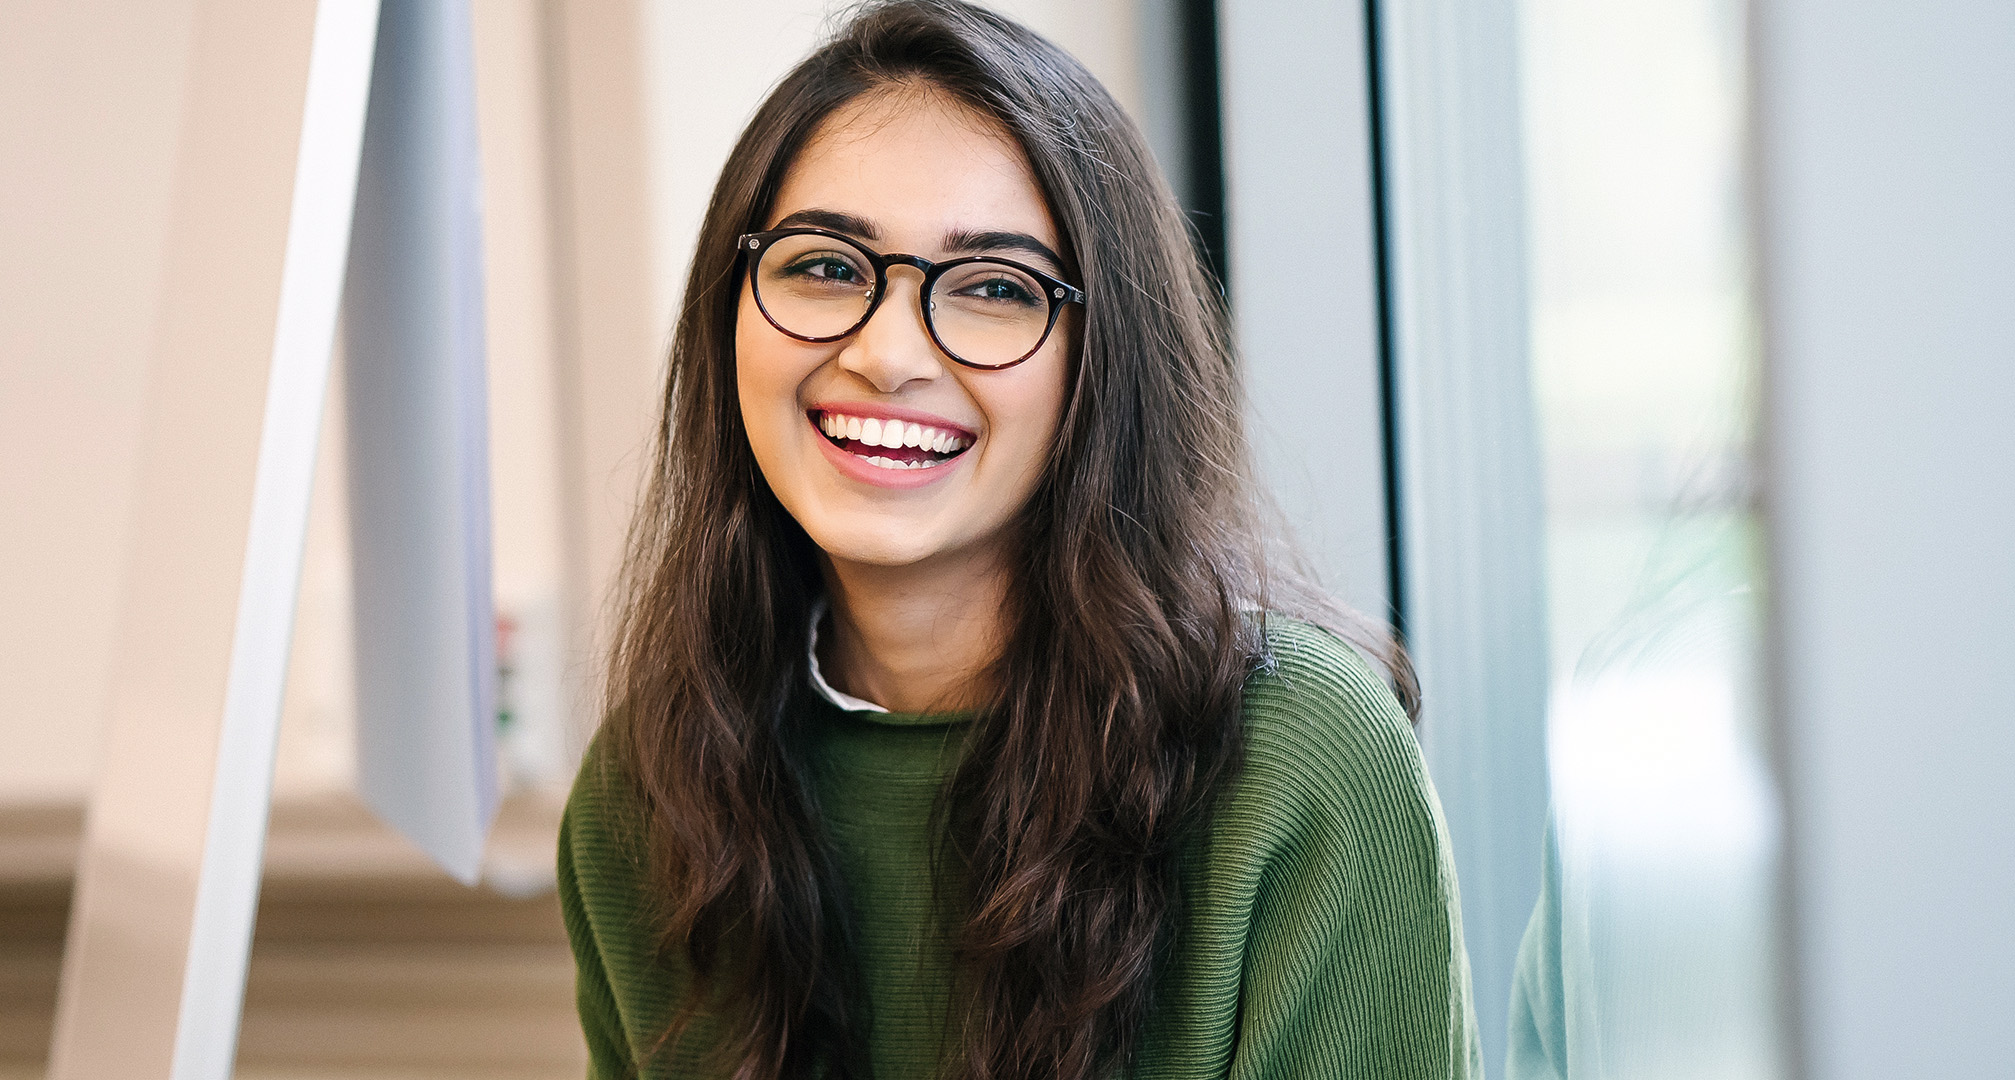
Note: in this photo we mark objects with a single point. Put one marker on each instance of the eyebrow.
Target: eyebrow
(965, 241)
(851, 224)
(957, 241)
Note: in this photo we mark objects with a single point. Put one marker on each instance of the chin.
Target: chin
(885, 539)
(873, 554)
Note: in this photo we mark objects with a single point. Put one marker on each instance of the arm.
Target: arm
(601, 1022)
(1354, 965)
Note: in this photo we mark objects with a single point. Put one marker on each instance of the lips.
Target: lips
(890, 442)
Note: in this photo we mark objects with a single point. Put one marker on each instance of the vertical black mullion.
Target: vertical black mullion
(1203, 124)
(1388, 392)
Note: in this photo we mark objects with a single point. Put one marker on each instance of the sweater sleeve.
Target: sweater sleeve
(594, 998)
(1354, 966)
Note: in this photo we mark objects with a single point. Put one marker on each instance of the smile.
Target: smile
(888, 443)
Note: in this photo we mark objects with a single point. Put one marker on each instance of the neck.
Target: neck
(914, 638)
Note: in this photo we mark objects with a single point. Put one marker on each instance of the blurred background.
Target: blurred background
(1565, 415)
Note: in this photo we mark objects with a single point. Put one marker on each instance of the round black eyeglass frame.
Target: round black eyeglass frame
(1055, 291)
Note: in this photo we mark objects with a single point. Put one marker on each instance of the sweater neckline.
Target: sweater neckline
(896, 719)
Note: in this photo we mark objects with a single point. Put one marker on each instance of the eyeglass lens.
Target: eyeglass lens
(982, 312)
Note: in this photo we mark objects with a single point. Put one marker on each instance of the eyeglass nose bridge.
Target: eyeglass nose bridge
(883, 263)
(921, 265)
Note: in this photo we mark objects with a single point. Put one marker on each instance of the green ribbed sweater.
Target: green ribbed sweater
(1321, 936)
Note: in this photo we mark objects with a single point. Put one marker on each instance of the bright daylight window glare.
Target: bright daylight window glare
(1660, 877)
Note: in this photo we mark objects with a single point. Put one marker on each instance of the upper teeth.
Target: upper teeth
(874, 431)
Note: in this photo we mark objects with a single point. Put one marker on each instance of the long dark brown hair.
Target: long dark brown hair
(1112, 716)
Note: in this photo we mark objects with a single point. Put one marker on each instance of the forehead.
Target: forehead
(917, 164)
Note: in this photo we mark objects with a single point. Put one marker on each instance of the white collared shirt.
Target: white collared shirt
(845, 701)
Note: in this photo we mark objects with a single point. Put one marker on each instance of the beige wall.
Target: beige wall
(90, 95)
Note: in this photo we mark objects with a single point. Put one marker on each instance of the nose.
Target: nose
(895, 347)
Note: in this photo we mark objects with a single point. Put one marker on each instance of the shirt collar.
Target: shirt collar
(846, 702)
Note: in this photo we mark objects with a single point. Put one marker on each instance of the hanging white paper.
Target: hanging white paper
(418, 441)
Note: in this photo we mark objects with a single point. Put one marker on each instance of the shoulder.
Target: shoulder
(598, 795)
(626, 984)
(1316, 710)
(1328, 747)
(602, 850)
(1312, 675)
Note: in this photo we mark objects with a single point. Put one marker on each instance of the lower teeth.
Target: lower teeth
(892, 463)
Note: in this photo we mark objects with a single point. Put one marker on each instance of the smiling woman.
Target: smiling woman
(961, 723)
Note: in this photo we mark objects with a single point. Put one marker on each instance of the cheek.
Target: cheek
(766, 375)
(1029, 415)
(766, 393)
(1048, 394)
(749, 366)
(744, 375)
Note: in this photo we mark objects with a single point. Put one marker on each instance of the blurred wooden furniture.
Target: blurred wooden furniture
(368, 963)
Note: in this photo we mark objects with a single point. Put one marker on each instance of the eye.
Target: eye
(830, 267)
(1000, 287)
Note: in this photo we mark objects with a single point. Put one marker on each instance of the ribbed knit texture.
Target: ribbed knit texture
(1321, 937)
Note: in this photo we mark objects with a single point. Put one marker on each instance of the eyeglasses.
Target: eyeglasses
(984, 312)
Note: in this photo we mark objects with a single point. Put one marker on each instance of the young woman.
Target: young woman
(960, 724)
